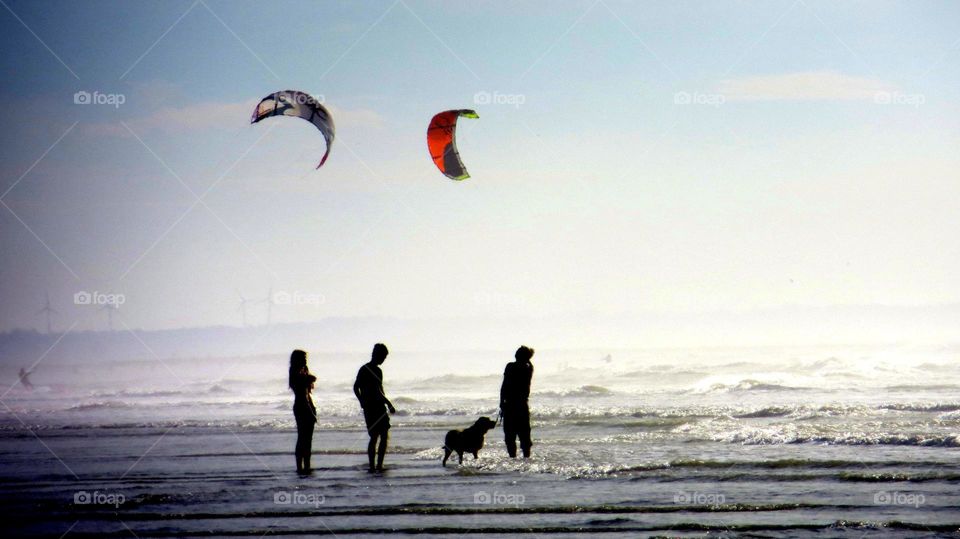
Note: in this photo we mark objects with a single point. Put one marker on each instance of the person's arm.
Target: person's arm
(387, 401)
(503, 388)
(356, 388)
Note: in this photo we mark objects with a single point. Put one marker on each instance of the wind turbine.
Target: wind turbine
(243, 307)
(109, 307)
(47, 310)
(269, 302)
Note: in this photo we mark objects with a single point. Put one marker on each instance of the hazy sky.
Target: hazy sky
(659, 156)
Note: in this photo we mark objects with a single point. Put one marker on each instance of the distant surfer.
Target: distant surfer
(25, 378)
(514, 394)
(369, 391)
(304, 410)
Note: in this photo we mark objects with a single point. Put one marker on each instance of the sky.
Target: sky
(629, 157)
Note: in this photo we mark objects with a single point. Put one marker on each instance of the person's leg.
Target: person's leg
(298, 457)
(369, 417)
(524, 431)
(509, 435)
(371, 449)
(382, 451)
(308, 445)
(298, 449)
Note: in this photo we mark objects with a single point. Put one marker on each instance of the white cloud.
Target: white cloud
(803, 86)
(218, 115)
(363, 118)
(193, 117)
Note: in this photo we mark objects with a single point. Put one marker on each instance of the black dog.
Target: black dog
(467, 440)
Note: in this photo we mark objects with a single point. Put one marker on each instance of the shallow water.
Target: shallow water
(772, 442)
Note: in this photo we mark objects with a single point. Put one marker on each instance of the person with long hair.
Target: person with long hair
(304, 411)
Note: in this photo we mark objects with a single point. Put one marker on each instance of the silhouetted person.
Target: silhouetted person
(369, 391)
(25, 378)
(513, 402)
(304, 411)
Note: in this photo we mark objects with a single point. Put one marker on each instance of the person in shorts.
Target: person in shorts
(369, 391)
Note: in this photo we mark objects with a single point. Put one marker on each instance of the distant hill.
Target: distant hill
(24, 347)
(787, 325)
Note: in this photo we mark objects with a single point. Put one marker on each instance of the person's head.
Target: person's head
(379, 353)
(298, 362)
(523, 355)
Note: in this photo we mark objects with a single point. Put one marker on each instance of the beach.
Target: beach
(809, 446)
(720, 238)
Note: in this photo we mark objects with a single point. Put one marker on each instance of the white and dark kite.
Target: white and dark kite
(299, 105)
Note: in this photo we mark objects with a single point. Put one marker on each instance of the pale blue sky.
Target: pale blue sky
(816, 163)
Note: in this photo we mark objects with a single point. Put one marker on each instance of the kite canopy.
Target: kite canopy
(442, 142)
(299, 105)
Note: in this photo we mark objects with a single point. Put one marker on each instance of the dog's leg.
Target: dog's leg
(446, 451)
(475, 457)
(460, 454)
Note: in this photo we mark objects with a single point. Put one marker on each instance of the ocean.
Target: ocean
(856, 441)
